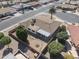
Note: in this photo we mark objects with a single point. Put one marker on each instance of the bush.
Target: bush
(21, 33)
(1, 35)
(5, 40)
(62, 28)
(55, 48)
(68, 56)
(62, 37)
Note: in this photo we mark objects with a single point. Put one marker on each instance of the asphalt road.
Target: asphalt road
(68, 17)
(7, 23)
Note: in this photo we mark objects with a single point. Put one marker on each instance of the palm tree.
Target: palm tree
(7, 2)
(11, 1)
(52, 11)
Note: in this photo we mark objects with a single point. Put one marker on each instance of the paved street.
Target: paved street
(68, 17)
(12, 21)
(7, 23)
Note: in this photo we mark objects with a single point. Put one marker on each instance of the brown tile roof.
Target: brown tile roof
(33, 3)
(67, 6)
(6, 10)
(74, 31)
(45, 23)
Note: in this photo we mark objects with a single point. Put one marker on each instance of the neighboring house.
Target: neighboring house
(20, 7)
(44, 1)
(17, 1)
(74, 33)
(67, 7)
(6, 11)
(74, 2)
(34, 4)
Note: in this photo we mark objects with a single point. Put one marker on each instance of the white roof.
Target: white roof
(43, 1)
(19, 6)
(43, 32)
(20, 56)
(10, 56)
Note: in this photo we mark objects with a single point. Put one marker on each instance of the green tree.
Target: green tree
(1, 35)
(55, 48)
(62, 28)
(21, 33)
(62, 36)
(52, 11)
(7, 2)
(5, 40)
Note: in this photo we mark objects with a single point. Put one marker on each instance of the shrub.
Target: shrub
(55, 48)
(62, 28)
(5, 40)
(1, 35)
(21, 33)
(62, 36)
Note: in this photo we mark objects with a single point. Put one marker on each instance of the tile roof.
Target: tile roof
(44, 22)
(6, 10)
(74, 31)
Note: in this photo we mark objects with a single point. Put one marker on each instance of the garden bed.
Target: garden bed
(34, 43)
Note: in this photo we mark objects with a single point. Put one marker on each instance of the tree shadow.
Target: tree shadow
(59, 56)
(77, 52)
(22, 47)
(67, 46)
(1, 46)
(7, 51)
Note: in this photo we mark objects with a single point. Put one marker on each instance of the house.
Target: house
(20, 7)
(17, 1)
(74, 33)
(34, 4)
(67, 7)
(6, 11)
(44, 27)
(45, 1)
